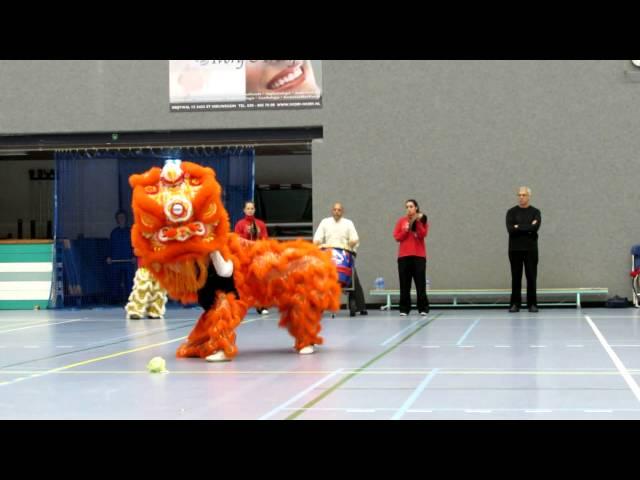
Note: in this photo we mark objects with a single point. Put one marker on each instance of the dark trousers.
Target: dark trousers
(528, 259)
(356, 296)
(413, 268)
(121, 281)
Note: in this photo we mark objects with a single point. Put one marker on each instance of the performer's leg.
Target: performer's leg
(156, 305)
(136, 307)
(303, 323)
(214, 333)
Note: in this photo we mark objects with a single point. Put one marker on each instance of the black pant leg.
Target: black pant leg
(357, 294)
(215, 283)
(531, 272)
(516, 259)
(420, 279)
(405, 269)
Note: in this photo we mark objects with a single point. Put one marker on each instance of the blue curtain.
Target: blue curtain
(82, 222)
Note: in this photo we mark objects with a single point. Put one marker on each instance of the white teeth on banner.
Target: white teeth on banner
(289, 78)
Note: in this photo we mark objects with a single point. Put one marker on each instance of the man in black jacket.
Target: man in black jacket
(523, 223)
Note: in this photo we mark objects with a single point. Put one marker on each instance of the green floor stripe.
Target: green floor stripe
(357, 371)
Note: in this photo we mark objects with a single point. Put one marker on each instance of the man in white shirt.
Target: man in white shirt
(339, 232)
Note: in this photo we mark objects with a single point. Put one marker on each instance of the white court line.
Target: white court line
(575, 346)
(301, 394)
(384, 344)
(466, 346)
(502, 346)
(414, 396)
(595, 410)
(64, 346)
(616, 361)
(431, 346)
(622, 345)
(40, 325)
(537, 346)
(538, 411)
(360, 410)
(477, 411)
(31, 346)
(467, 332)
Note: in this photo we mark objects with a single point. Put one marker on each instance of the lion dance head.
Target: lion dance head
(178, 220)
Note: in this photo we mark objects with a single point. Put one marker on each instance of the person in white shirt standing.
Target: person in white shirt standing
(339, 232)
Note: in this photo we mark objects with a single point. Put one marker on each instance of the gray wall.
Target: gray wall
(459, 136)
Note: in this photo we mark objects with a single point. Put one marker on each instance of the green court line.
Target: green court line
(327, 392)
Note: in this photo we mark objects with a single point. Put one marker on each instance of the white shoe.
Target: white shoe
(264, 312)
(424, 314)
(402, 314)
(306, 350)
(219, 356)
(134, 316)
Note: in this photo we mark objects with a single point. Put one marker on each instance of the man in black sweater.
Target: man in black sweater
(523, 223)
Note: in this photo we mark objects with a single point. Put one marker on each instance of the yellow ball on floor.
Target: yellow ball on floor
(157, 365)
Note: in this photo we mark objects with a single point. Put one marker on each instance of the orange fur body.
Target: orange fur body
(179, 220)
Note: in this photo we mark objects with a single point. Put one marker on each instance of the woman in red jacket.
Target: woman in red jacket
(410, 232)
(250, 228)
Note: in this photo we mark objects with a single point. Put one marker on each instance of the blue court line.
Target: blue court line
(414, 396)
(465, 334)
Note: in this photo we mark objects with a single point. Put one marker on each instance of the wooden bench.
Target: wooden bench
(496, 293)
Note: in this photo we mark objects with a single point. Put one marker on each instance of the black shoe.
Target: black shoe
(533, 309)
(352, 313)
(514, 309)
(364, 312)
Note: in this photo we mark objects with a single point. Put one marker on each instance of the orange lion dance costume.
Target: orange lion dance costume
(181, 235)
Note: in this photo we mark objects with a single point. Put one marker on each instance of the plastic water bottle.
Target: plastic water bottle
(428, 282)
(379, 283)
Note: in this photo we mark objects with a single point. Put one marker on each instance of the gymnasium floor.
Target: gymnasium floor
(453, 364)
